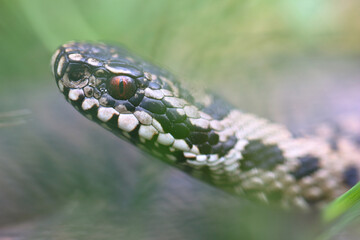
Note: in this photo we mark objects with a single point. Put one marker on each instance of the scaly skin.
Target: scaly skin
(206, 138)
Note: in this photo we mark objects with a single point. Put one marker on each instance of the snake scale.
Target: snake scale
(207, 138)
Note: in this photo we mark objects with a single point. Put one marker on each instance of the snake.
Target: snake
(202, 134)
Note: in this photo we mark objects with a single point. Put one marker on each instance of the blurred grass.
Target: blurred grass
(191, 37)
(343, 204)
(342, 220)
(54, 165)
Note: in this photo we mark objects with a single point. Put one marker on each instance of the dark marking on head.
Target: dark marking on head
(258, 154)
(351, 176)
(308, 165)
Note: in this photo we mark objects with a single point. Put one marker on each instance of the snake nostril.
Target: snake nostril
(76, 72)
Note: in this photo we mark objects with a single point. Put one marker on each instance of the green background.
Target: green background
(198, 39)
(62, 177)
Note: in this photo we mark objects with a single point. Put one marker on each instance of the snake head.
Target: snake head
(95, 75)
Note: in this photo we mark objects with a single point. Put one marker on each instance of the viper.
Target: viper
(206, 137)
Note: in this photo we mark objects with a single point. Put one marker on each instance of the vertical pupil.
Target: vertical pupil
(121, 87)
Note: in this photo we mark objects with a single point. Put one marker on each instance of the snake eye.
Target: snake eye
(76, 72)
(122, 87)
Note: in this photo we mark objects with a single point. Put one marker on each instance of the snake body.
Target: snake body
(209, 139)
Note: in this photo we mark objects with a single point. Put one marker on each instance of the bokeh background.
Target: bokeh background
(63, 177)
